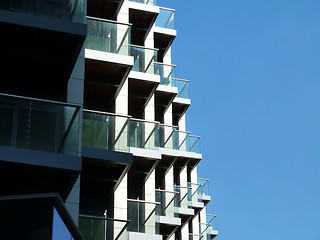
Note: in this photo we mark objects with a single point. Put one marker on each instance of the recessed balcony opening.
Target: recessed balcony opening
(141, 21)
(140, 93)
(107, 9)
(39, 66)
(178, 110)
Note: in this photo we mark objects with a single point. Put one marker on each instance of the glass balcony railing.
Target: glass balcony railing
(72, 10)
(196, 194)
(165, 18)
(148, 2)
(168, 137)
(204, 189)
(41, 125)
(143, 217)
(183, 88)
(206, 229)
(115, 132)
(167, 74)
(100, 228)
(105, 131)
(169, 202)
(144, 59)
(108, 36)
(184, 196)
(193, 236)
(189, 143)
(143, 134)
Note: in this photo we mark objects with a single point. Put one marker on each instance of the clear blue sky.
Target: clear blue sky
(254, 67)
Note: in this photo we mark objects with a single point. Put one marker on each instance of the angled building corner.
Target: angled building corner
(93, 141)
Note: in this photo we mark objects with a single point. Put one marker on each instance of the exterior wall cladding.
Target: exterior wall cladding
(93, 140)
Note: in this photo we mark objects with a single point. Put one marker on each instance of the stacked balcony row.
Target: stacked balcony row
(145, 216)
(119, 133)
(114, 37)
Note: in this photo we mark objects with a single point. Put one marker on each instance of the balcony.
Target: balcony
(203, 192)
(143, 79)
(107, 53)
(142, 15)
(53, 34)
(184, 209)
(106, 158)
(165, 18)
(38, 134)
(164, 32)
(144, 221)
(102, 228)
(209, 229)
(105, 131)
(167, 90)
(107, 9)
(168, 217)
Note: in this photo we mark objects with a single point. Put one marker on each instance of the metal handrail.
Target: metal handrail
(182, 80)
(144, 120)
(160, 190)
(169, 9)
(143, 47)
(143, 201)
(167, 64)
(107, 113)
(41, 100)
(107, 20)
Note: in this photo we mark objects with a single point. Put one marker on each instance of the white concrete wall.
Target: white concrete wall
(120, 204)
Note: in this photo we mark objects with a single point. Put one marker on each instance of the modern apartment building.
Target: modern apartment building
(93, 138)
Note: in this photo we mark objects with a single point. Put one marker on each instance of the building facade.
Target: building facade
(93, 141)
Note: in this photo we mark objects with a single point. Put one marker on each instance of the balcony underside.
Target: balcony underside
(140, 93)
(142, 22)
(102, 172)
(107, 9)
(167, 230)
(178, 110)
(38, 54)
(163, 100)
(163, 43)
(33, 172)
(100, 91)
(138, 175)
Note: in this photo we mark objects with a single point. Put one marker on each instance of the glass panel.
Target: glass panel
(59, 229)
(196, 237)
(169, 137)
(39, 125)
(108, 37)
(167, 74)
(72, 10)
(188, 142)
(149, 2)
(165, 19)
(144, 60)
(100, 228)
(143, 134)
(194, 144)
(183, 88)
(195, 195)
(143, 217)
(105, 131)
(204, 189)
(169, 202)
(184, 196)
